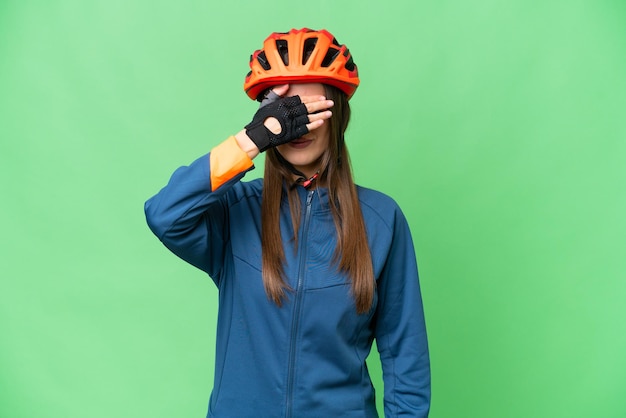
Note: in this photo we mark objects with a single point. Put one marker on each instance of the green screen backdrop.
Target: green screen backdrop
(498, 126)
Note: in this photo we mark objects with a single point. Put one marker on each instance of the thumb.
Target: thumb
(281, 90)
(274, 94)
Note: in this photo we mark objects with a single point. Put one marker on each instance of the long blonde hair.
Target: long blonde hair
(352, 252)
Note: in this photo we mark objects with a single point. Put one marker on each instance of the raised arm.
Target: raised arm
(190, 215)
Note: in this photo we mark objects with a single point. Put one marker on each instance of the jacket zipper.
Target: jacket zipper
(298, 305)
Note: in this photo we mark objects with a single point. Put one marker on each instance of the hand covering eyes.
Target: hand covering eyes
(292, 115)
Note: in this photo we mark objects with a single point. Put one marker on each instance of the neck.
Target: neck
(307, 182)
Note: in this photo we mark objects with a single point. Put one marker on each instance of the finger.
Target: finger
(301, 130)
(318, 105)
(298, 110)
(301, 120)
(306, 119)
(274, 94)
(315, 124)
(291, 101)
(320, 116)
(311, 99)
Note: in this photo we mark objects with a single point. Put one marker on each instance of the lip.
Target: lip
(300, 143)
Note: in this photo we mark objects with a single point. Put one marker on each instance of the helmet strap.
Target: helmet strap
(301, 177)
(308, 183)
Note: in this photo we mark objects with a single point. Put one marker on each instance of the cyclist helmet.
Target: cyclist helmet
(301, 56)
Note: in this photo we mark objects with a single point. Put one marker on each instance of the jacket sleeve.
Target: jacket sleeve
(189, 215)
(401, 330)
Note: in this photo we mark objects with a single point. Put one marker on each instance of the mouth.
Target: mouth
(300, 143)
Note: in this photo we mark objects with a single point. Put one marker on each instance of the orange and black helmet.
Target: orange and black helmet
(301, 56)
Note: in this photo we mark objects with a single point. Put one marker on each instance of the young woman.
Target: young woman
(310, 267)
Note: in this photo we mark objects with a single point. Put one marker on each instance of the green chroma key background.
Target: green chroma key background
(497, 126)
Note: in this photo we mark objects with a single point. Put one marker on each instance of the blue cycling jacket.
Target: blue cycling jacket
(306, 358)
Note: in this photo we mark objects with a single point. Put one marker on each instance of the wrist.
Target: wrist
(246, 144)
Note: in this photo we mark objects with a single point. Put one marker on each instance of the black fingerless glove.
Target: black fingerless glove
(290, 113)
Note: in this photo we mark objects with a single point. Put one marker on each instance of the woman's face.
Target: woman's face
(304, 153)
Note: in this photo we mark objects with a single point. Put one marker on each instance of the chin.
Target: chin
(304, 166)
(300, 157)
(302, 162)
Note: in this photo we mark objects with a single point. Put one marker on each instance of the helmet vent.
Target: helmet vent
(262, 59)
(283, 50)
(350, 64)
(331, 55)
(307, 50)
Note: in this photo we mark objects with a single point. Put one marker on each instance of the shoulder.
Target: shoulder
(376, 205)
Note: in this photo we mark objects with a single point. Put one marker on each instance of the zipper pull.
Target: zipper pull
(309, 198)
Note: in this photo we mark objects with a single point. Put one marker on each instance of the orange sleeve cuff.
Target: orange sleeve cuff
(227, 160)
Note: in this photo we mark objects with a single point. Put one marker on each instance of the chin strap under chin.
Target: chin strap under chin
(301, 180)
(308, 183)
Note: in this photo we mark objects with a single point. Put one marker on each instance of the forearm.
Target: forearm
(401, 330)
(189, 214)
(406, 376)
